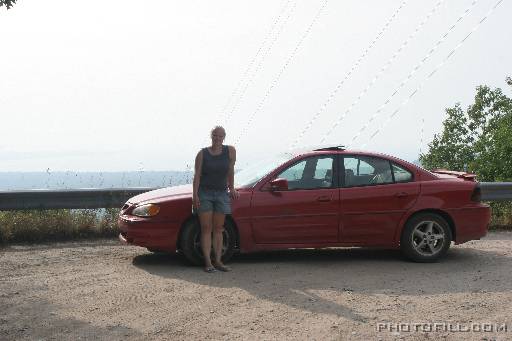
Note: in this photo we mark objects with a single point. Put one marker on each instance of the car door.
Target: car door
(307, 212)
(375, 195)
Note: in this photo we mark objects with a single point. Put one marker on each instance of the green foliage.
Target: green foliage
(501, 215)
(53, 225)
(7, 3)
(478, 140)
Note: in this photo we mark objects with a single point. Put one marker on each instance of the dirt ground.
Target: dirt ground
(101, 290)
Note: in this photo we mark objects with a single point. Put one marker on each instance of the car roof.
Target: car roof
(320, 150)
(299, 153)
(338, 150)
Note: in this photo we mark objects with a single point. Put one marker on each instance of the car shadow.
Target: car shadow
(298, 277)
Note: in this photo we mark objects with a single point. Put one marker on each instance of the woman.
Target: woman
(213, 176)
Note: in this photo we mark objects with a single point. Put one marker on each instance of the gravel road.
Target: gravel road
(100, 290)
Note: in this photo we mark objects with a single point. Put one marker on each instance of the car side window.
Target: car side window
(401, 174)
(294, 173)
(366, 171)
(311, 173)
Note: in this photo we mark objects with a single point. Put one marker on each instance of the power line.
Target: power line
(247, 78)
(384, 68)
(422, 131)
(347, 75)
(448, 56)
(281, 72)
(260, 63)
(413, 71)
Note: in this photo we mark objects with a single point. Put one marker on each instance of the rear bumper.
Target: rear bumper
(143, 232)
(471, 223)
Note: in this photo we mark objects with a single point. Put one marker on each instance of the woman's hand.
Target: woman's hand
(195, 201)
(234, 194)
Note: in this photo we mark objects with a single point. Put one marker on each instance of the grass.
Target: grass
(36, 226)
(501, 218)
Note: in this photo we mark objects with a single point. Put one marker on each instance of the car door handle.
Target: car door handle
(323, 198)
(401, 194)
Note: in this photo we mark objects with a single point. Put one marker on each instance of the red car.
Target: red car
(328, 197)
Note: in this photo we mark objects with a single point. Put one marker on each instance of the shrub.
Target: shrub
(54, 225)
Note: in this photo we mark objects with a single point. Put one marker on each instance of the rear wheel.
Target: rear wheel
(425, 238)
(191, 242)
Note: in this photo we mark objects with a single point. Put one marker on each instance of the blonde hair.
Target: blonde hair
(216, 128)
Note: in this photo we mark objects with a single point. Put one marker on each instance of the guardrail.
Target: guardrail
(45, 199)
(496, 191)
(115, 197)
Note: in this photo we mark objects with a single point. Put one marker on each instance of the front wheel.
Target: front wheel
(425, 238)
(191, 242)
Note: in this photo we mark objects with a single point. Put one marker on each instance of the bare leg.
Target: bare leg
(205, 219)
(218, 227)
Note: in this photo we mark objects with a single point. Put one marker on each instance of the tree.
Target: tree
(7, 3)
(478, 140)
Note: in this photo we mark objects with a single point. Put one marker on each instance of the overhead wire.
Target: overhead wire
(277, 78)
(347, 75)
(434, 71)
(413, 71)
(382, 69)
(260, 63)
(422, 132)
(258, 59)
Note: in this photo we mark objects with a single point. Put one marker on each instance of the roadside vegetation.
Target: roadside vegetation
(478, 140)
(56, 225)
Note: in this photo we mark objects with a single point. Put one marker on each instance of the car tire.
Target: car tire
(425, 238)
(191, 244)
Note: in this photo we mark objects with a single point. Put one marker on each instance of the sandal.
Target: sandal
(223, 268)
(210, 269)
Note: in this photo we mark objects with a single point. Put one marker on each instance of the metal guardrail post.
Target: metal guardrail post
(67, 199)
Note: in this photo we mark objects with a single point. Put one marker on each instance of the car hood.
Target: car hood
(182, 191)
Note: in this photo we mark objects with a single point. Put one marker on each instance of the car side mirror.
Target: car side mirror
(279, 185)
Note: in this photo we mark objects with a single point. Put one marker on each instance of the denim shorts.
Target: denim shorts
(213, 200)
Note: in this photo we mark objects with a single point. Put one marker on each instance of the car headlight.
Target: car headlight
(148, 210)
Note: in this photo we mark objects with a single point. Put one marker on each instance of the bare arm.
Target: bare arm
(231, 169)
(197, 176)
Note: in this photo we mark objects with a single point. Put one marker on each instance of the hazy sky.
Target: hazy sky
(131, 85)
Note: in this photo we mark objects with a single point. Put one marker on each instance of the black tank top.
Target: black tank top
(214, 170)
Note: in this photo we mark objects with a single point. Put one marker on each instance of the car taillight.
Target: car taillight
(477, 194)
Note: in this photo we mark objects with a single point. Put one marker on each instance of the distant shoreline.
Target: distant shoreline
(70, 179)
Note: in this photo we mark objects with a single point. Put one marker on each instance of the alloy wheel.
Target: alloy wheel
(428, 238)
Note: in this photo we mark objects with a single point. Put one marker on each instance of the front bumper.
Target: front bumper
(122, 238)
(146, 233)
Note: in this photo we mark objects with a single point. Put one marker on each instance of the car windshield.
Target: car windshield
(250, 175)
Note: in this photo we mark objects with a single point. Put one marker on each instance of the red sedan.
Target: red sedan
(328, 197)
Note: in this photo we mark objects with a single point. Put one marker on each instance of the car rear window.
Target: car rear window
(401, 174)
(363, 170)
